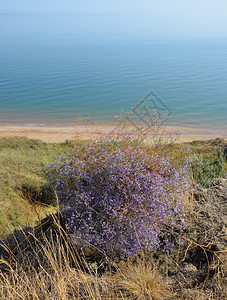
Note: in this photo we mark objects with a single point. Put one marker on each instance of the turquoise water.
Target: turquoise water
(53, 79)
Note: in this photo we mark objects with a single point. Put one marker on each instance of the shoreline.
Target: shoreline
(60, 134)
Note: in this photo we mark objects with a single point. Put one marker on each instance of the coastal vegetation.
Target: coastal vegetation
(136, 221)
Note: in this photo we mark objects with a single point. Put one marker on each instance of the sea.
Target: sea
(60, 78)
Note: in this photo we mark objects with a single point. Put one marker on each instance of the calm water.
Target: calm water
(52, 79)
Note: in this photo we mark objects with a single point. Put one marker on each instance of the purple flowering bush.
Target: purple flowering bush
(118, 196)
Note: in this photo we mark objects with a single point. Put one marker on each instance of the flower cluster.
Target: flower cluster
(118, 196)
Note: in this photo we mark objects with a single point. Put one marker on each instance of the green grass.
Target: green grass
(22, 165)
(23, 188)
(201, 149)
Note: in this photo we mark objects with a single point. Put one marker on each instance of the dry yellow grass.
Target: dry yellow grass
(62, 275)
(55, 278)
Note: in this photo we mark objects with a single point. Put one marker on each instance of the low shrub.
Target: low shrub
(207, 168)
(116, 196)
(37, 194)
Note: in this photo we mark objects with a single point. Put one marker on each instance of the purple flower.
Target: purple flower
(114, 196)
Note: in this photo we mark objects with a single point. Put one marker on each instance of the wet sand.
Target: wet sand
(60, 134)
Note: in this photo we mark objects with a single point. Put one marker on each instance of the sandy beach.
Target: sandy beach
(60, 134)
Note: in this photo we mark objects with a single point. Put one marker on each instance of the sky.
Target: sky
(123, 18)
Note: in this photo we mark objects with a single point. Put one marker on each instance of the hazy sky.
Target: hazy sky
(130, 18)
